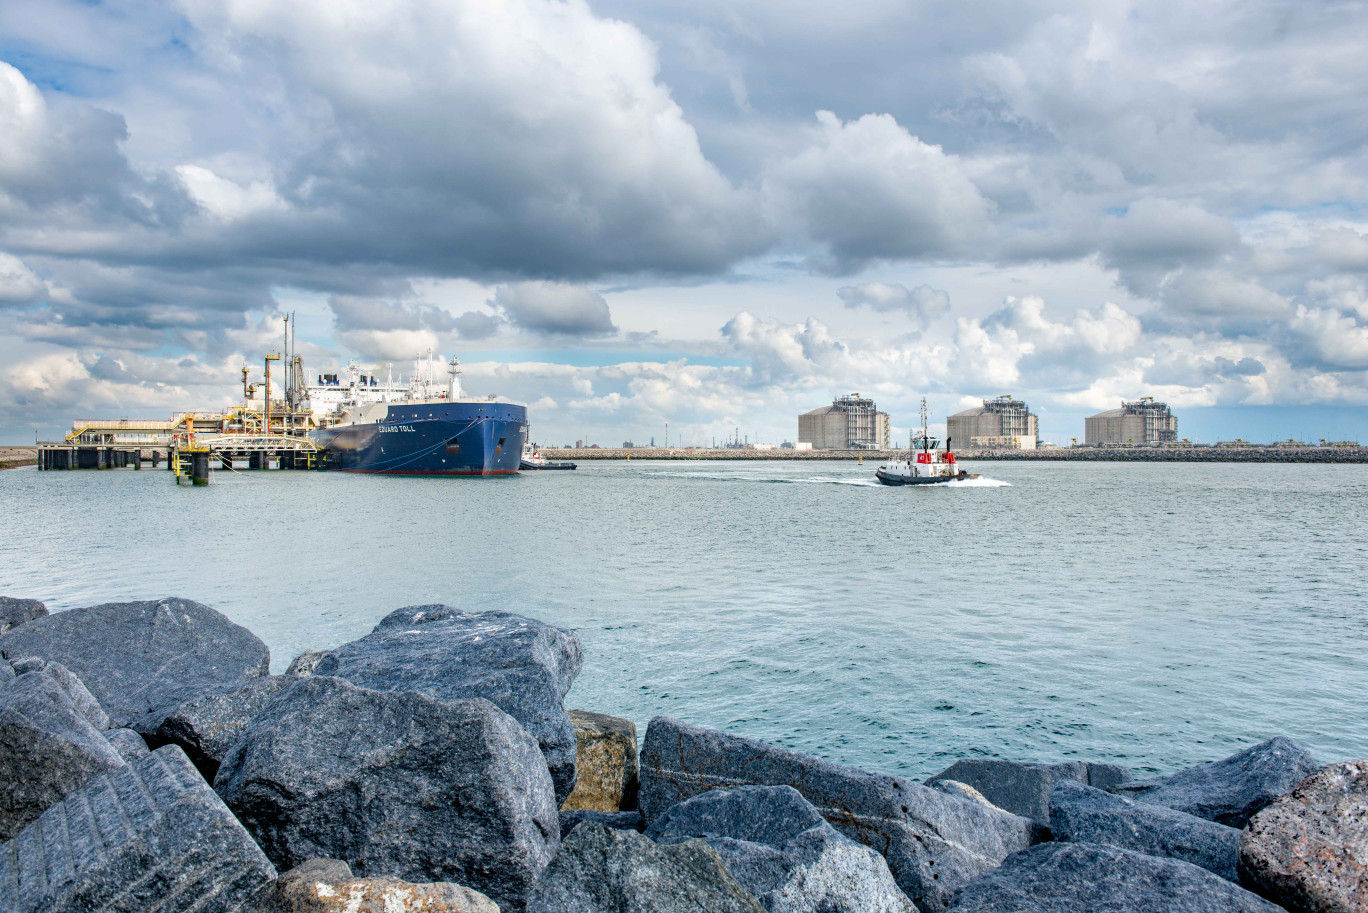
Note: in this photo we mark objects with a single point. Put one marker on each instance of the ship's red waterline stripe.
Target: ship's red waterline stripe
(425, 472)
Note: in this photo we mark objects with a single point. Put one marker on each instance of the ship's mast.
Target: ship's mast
(925, 435)
(454, 385)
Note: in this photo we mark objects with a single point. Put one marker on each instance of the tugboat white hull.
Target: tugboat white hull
(894, 478)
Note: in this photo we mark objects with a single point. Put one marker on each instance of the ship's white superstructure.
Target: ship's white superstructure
(333, 396)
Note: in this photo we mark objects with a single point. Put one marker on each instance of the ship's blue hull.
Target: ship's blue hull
(456, 439)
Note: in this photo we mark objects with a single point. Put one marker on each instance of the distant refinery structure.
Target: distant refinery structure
(851, 422)
(1143, 422)
(1001, 422)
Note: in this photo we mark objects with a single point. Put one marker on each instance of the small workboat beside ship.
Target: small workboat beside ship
(926, 463)
(532, 459)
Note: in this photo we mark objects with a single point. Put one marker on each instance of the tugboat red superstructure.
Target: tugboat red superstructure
(926, 463)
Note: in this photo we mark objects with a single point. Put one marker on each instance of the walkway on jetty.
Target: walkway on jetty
(1244, 453)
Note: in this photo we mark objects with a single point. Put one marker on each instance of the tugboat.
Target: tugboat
(926, 464)
(532, 459)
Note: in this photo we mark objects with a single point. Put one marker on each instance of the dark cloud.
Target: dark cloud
(923, 303)
(555, 308)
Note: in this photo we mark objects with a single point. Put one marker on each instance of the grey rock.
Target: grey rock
(606, 771)
(6, 671)
(1078, 877)
(600, 870)
(785, 853)
(1081, 814)
(14, 612)
(932, 842)
(149, 836)
(518, 664)
(80, 695)
(1107, 776)
(1308, 851)
(618, 821)
(206, 727)
(396, 784)
(128, 744)
(139, 658)
(48, 749)
(328, 886)
(1024, 788)
(305, 663)
(1233, 790)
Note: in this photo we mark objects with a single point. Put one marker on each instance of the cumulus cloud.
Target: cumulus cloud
(923, 303)
(18, 283)
(554, 307)
(868, 190)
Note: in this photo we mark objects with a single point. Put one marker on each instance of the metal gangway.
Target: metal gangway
(192, 455)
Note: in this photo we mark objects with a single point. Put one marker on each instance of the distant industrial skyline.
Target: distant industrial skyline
(708, 213)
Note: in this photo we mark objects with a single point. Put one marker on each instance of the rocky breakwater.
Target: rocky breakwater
(431, 766)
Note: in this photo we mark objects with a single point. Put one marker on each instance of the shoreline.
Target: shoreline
(15, 457)
(1278, 453)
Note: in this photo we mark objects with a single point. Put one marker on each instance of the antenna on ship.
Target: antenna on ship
(925, 433)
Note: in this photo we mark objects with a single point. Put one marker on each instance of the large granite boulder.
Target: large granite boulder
(48, 749)
(1308, 851)
(606, 778)
(600, 870)
(328, 886)
(1024, 788)
(396, 784)
(1090, 878)
(206, 727)
(932, 842)
(785, 853)
(75, 689)
(1233, 790)
(518, 664)
(14, 612)
(149, 836)
(139, 658)
(1081, 814)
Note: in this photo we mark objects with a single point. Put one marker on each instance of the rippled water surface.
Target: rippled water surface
(1156, 615)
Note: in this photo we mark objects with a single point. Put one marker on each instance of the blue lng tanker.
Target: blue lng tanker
(445, 434)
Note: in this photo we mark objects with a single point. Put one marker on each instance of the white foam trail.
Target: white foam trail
(978, 483)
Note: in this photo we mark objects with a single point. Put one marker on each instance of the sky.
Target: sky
(714, 214)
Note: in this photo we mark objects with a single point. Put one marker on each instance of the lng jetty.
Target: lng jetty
(150, 761)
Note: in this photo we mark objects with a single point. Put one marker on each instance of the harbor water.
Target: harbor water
(1156, 615)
